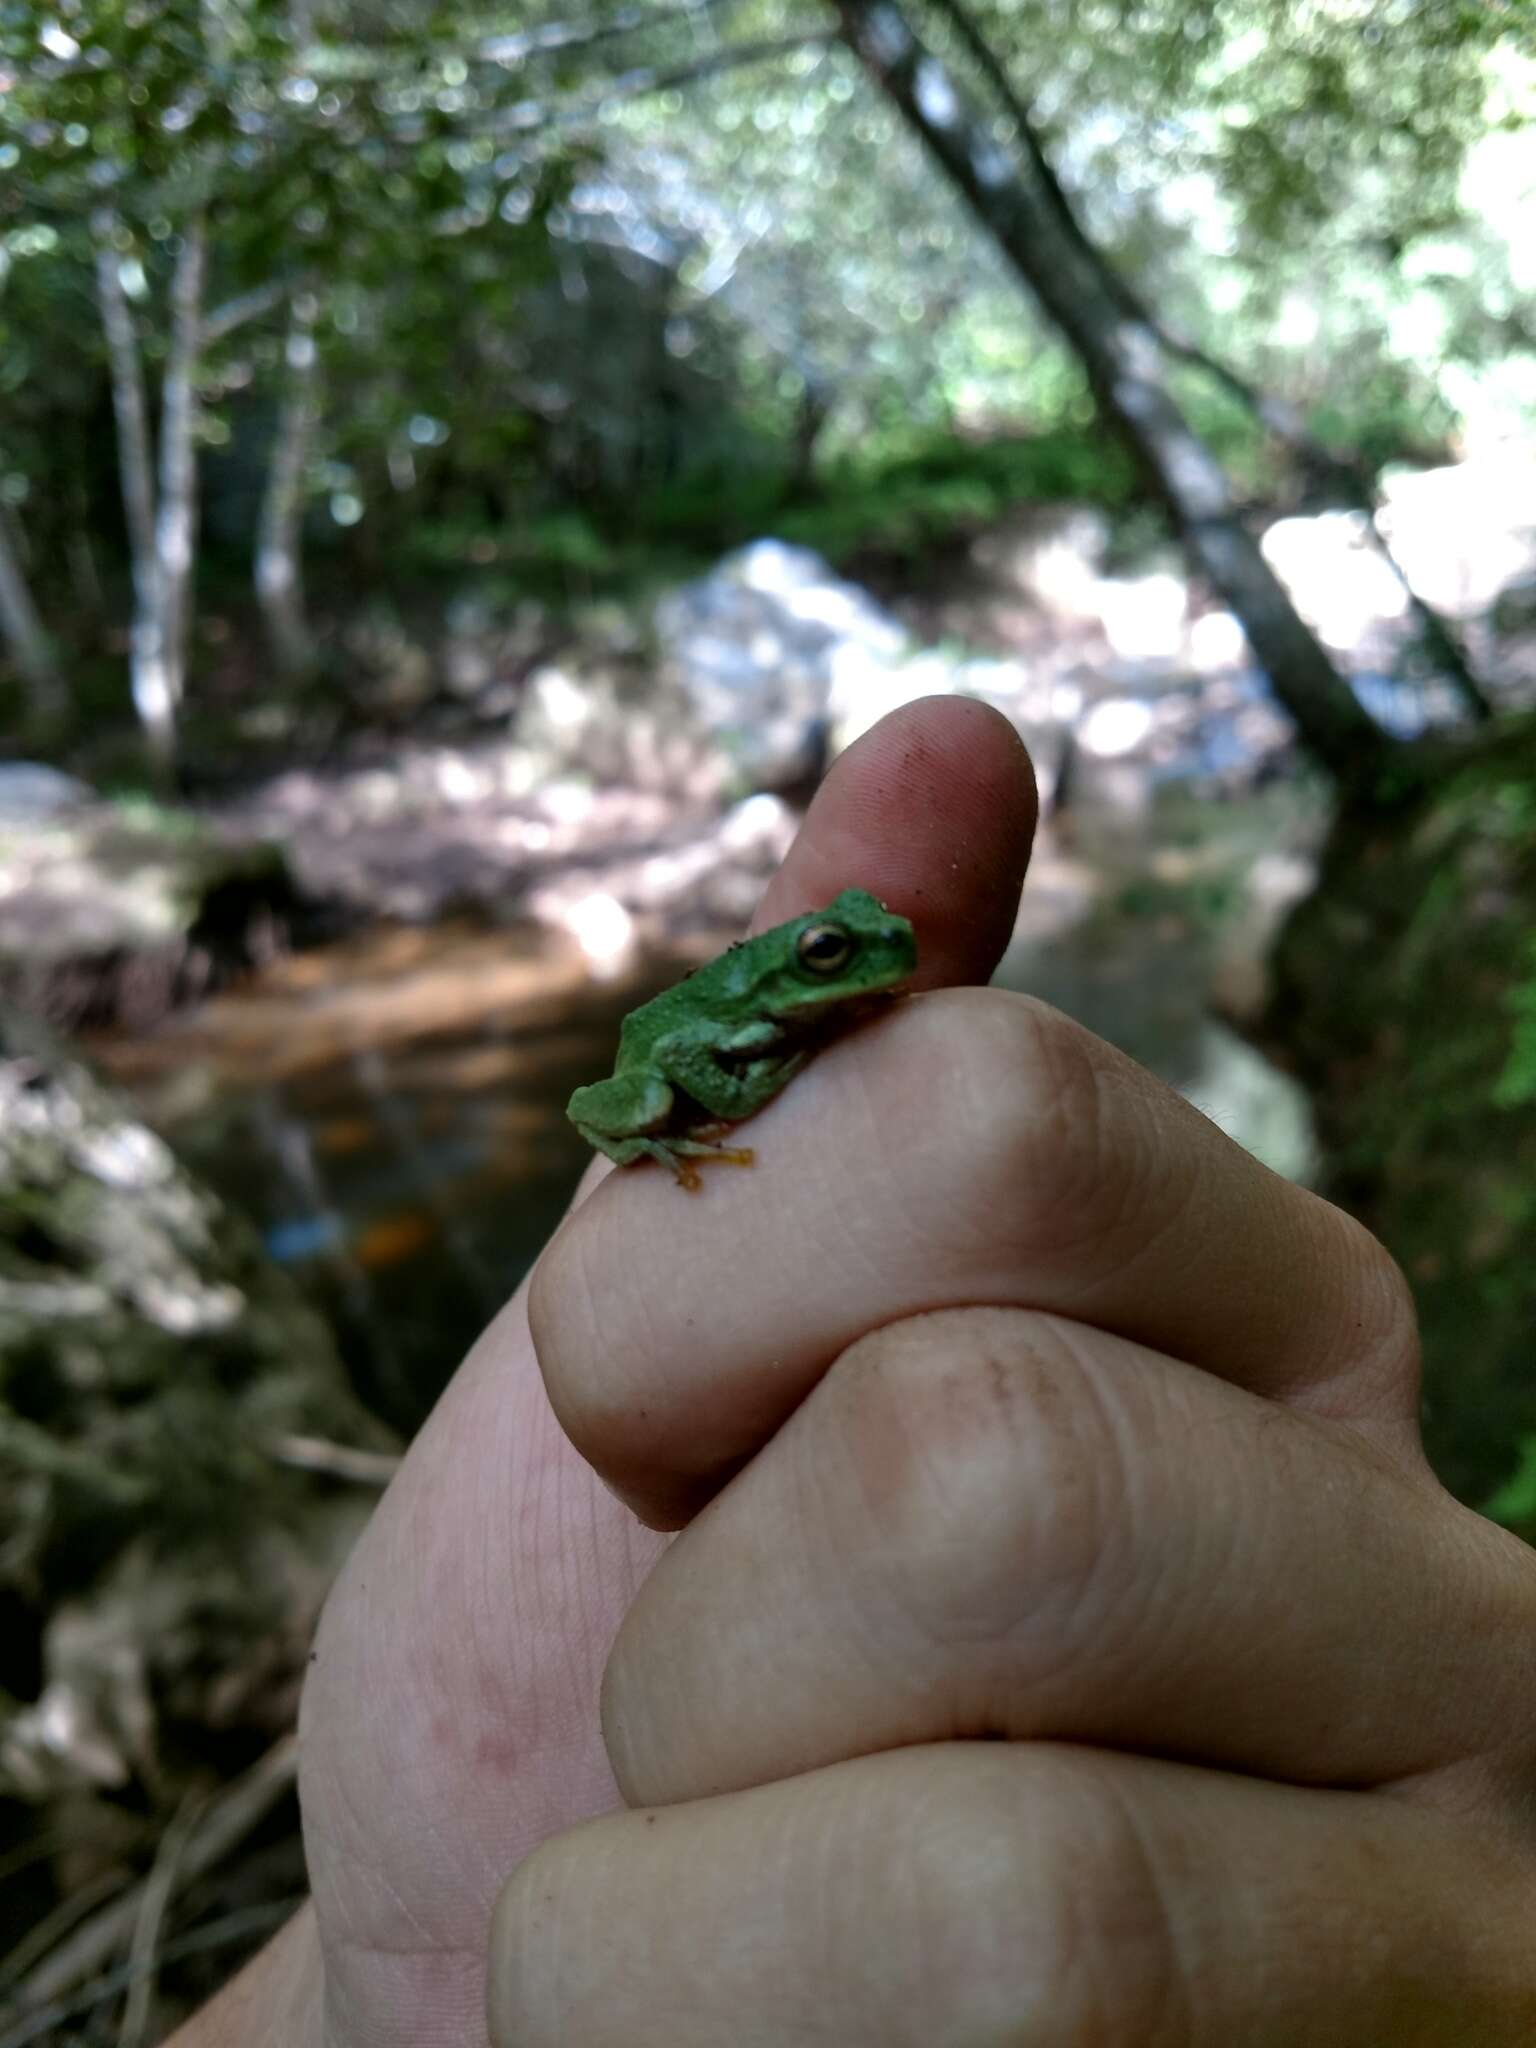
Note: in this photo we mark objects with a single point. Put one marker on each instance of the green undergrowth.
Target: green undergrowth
(899, 502)
(1406, 998)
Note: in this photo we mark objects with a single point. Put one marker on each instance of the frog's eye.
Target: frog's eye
(823, 948)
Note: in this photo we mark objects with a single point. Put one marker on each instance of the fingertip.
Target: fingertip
(933, 810)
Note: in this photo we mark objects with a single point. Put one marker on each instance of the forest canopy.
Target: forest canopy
(377, 292)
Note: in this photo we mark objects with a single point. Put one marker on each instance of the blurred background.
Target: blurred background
(463, 476)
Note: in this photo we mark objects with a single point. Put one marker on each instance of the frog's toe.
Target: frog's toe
(734, 1155)
(680, 1153)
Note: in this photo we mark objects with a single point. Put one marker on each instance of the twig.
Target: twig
(506, 48)
(229, 1819)
(53, 1927)
(528, 116)
(31, 1447)
(33, 1850)
(339, 1461)
(236, 312)
(220, 1933)
(154, 1897)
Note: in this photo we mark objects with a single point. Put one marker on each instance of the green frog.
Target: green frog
(722, 1043)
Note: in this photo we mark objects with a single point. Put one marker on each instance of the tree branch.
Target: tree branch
(235, 313)
(507, 49)
(529, 115)
(1127, 373)
(585, 35)
(1276, 415)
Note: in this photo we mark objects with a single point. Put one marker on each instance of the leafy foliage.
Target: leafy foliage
(589, 268)
(1517, 1084)
(1412, 959)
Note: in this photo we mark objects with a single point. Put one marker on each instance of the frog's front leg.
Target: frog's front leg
(719, 1073)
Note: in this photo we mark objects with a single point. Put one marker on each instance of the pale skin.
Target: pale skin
(1003, 1397)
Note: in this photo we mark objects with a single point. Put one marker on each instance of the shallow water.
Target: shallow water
(390, 1115)
(389, 1111)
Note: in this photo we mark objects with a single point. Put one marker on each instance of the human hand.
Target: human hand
(1059, 1420)
(450, 1721)
(1034, 1409)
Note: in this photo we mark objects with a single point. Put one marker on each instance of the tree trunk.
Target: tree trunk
(176, 519)
(26, 642)
(151, 696)
(1437, 640)
(279, 536)
(813, 409)
(1120, 354)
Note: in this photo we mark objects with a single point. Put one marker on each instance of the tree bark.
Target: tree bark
(279, 566)
(151, 695)
(27, 643)
(1121, 357)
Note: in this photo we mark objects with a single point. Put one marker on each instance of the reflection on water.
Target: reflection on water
(390, 1113)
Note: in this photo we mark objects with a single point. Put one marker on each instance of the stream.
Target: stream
(389, 1110)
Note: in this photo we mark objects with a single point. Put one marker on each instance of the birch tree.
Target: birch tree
(148, 672)
(159, 496)
(279, 552)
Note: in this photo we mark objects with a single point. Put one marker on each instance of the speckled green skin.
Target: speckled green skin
(722, 1043)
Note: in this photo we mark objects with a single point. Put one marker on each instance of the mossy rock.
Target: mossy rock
(116, 913)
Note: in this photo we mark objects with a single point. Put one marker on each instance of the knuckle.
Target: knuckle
(1389, 1335)
(1052, 1922)
(986, 1455)
(565, 1327)
(1063, 1168)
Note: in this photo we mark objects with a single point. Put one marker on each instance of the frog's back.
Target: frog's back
(644, 1026)
(687, 1000)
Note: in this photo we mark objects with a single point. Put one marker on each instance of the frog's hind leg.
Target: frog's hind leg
(678, 1154)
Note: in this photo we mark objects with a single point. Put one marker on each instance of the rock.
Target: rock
(612, 732)
(153, 1364)
(1052, 555)
(29, 791)
(707, 879)
(111, 912)
(1464, 532)
(758, 649)
(1514, 609)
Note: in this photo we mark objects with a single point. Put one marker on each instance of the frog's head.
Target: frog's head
(855, 947)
